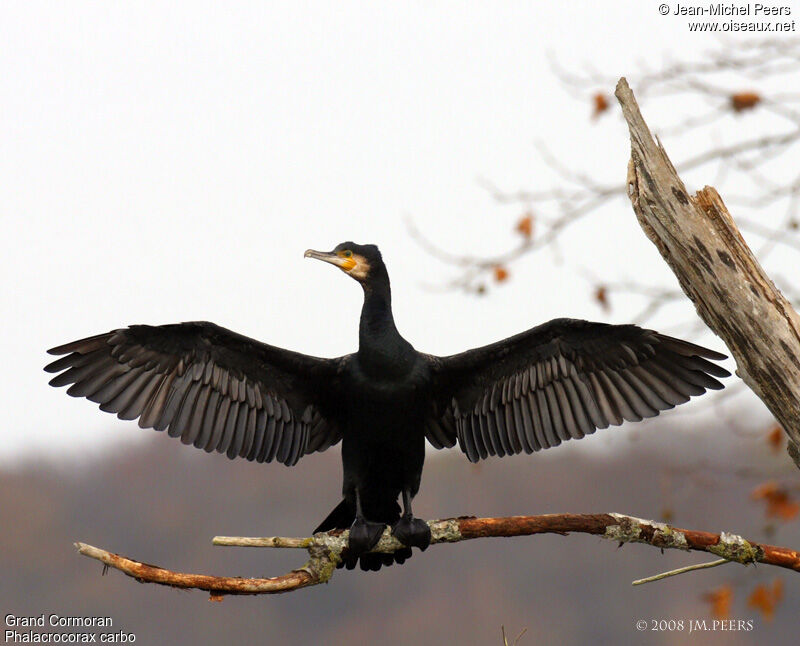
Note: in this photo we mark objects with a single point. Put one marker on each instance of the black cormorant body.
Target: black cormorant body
(387, 395)
(221, 391)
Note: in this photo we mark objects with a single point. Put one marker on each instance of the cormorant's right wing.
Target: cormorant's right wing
(559, 381)
(213, 388)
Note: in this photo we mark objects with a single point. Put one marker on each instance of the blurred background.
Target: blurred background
(172, 161)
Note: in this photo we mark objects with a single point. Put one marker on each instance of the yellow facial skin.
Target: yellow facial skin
(350, 263)
(348, 260)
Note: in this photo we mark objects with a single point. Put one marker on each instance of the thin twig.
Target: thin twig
(681, 570)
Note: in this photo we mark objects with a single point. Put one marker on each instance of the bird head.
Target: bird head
(361, 262)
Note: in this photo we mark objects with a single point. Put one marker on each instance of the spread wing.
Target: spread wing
(213, 388)
(559, 381)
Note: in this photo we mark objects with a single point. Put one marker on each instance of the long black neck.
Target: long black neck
(380, 344)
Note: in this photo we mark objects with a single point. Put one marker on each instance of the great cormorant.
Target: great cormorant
(221, 391)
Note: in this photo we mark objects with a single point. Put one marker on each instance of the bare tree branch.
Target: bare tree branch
(698, 239)
(681, 570)
(325, 549)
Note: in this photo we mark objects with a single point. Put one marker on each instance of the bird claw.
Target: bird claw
(364, 535)
(412, 532)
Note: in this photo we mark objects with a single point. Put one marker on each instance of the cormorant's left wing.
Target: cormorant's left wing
(213, 388)
(559, 381)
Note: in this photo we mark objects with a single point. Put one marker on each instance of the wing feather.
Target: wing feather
(561, 381)
(483, 442)
(211, 387)
(230, 426)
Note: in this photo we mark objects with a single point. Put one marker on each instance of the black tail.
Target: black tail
(342, 517)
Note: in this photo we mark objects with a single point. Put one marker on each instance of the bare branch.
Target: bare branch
(216, 585)
(325, 549)
(681, 570)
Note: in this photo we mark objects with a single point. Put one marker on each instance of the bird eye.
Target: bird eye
(347, 254)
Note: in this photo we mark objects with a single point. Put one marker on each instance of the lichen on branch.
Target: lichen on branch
(325, 549)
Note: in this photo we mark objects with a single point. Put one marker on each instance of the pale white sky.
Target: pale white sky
(171, 161)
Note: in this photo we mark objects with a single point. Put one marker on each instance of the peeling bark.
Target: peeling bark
(732, 293)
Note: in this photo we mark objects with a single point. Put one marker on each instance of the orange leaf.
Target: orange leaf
(720, 600)
(600, 104)
(765, 598)
(525, 225)
(775, 438)
(744, 101)
(779, 503)
(760, 599)
(500, 274)
(601, 296)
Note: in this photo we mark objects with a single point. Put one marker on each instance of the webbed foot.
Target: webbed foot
(364, 535)
(412, 532)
